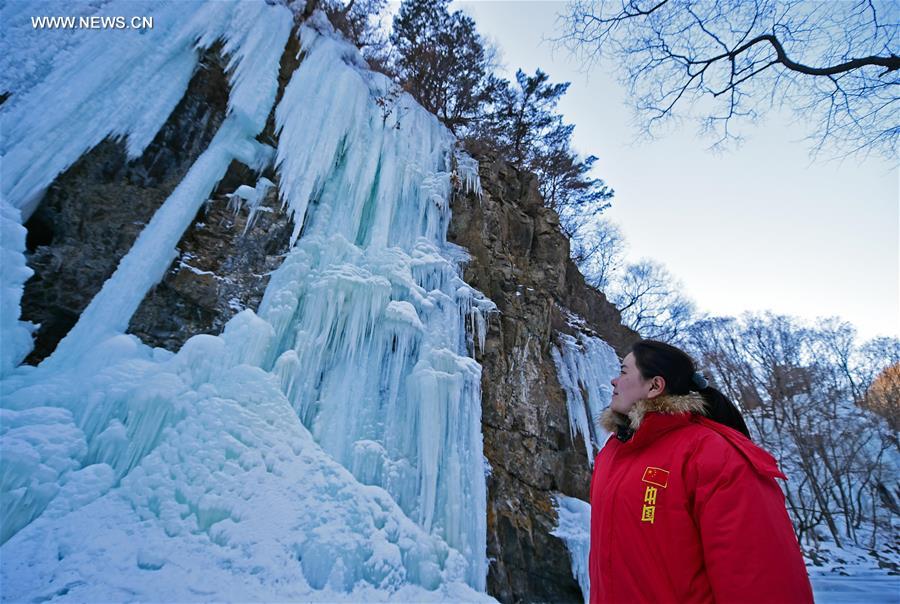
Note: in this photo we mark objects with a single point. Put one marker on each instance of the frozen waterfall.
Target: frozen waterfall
(327, 449)
(368, 309)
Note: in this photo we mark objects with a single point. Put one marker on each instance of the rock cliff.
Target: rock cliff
(520, 259)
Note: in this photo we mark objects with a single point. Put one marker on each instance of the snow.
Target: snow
(584, 366)
(327, 448)
(233, 499)
(881, 589)
(39, 445)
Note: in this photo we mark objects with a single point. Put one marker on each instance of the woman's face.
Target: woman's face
(629, 387)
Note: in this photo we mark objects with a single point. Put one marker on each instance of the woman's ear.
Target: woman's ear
(657, 386)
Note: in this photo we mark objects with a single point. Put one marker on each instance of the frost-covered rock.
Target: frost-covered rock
(585, 365)
(517, 255)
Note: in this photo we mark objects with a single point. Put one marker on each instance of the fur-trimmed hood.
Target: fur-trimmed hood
(624, 425)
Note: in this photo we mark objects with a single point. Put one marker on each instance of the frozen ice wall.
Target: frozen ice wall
(136, 474)
(369, 310)
(584, 366)
(127, 86)
(329, 448)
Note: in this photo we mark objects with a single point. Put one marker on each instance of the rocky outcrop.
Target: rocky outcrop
(520, 259)
(225, 256)
(222, 268)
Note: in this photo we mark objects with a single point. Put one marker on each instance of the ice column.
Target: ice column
(369, 309)
(584, 366)
(92, 84)
(14, 272)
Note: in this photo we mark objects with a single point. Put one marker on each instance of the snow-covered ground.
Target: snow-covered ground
(852, 574)
(856, 590)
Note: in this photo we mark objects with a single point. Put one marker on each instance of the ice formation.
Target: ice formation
(188, 477)
(132, 84)
(368, 309)
(574, 528)
(16, 334)
(584, 366)
(328, 448)
(38, 146)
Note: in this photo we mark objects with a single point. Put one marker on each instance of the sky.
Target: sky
(762, 227)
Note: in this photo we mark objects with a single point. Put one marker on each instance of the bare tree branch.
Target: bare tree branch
(726, 62)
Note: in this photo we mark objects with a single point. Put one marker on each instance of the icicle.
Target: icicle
(585, 366)
(467, 169)
(370, 301)
(134, 81)
(574, 528)
(252, 197)
(307, 449)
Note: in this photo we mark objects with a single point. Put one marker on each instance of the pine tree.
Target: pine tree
(441, 61)
(522, 115)
(524, 127)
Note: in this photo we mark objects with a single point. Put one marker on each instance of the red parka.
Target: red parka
(688, 510)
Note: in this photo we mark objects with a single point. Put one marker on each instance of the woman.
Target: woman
(684, 507)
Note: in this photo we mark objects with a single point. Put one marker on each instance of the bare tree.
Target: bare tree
(883, 396)
(798, 385)
(725, 61)
(650, 301)
(598, 248)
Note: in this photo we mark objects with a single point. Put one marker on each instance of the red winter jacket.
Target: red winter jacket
(688, 510)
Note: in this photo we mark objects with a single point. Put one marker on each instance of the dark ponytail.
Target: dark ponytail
(676, 367)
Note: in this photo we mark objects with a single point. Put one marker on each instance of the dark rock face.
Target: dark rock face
(221, 269)
(520, 259)
(223, 265)
(94, 211)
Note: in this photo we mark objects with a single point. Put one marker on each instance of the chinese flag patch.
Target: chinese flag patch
(656, 476)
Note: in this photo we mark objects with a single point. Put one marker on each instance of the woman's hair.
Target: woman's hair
(677, 368)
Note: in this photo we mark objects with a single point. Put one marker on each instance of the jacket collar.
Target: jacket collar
(624, 426)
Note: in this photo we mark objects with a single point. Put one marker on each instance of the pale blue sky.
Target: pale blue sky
(758, 228)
